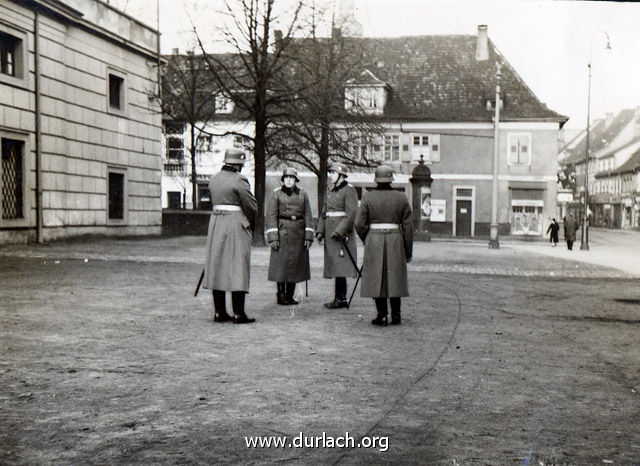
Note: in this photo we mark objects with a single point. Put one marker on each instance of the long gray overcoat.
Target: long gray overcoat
(290, 222)
(340, 198)
(228, 248)
(384, 267)
(570, 228)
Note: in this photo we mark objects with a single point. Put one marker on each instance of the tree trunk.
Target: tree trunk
(323, 158)
(194, 176)
(259, 177)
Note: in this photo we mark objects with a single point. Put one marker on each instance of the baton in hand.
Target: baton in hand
(199, 283)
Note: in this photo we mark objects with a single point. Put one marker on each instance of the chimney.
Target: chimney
(277, 36)
(176, 51)
(636, 123)
(482, 45)
(608, 119)
(336, 33)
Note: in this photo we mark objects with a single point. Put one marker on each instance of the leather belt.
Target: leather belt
(335, 214)
(222, 209)
(384, 226)
(290, 217)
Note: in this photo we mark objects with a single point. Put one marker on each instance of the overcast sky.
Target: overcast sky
(547, 42)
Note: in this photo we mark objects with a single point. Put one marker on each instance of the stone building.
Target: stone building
(434, 96)
(81, 134)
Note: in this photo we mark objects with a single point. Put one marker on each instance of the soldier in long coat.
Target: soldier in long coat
(335, 225)
(570, 228)
(228, 249)
(384, 224)
(289, 231)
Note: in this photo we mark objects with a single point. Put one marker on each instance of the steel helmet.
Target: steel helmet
(339, 168)
(234, 156)
(383, 174)
(290, 171)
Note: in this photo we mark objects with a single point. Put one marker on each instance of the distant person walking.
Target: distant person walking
(335, 225)
(570, 228)
(553, 232)
(228, 249)
(384, 224)
(289, 231)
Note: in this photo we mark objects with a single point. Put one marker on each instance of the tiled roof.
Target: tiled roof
(630, 166)
(437, 78)
(600, 135)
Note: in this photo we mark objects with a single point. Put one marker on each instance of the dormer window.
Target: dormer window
(223, 104)
(366, 94)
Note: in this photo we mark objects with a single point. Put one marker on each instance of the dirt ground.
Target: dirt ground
(112, 360)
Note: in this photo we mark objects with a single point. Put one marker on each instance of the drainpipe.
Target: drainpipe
(38, 129)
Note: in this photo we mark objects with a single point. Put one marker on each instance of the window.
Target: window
(116, 92)
(242, 142)
(391, 148)
(425, 147)
(116, 180)
(420, 140)
(13, 56)
(175, 140)
(11, 179)
(223, 104)
(519, 149)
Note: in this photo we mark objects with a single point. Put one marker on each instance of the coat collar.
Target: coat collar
(288, 191)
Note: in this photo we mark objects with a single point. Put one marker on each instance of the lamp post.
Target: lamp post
(494, 242)
(584, 236)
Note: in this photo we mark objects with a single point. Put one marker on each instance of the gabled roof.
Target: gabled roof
(437, 78)
(630, 166)
(600, 135)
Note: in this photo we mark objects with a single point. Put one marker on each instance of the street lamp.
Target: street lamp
(494, 243)
(584, 237)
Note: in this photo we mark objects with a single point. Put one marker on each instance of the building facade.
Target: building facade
(434, 97)
(81, 133)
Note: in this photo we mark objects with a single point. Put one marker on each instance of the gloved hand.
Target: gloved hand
(275, 245)
(308, 243)
(337, 236)
(320, 237)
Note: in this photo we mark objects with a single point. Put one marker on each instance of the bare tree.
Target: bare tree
(315, 126)
(250, 75)
(188, 96)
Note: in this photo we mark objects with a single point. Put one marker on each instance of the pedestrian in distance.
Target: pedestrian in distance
(384, 223)
(553, 232)
(289, 232)
(228, 248)
(570, 228)
(335, 226)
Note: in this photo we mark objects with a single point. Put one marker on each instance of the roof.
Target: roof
(600, 135)
(437, 78)
(630, 166)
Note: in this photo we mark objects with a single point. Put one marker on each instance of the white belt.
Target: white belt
(385, 226)
(335, 214)
(227, 207)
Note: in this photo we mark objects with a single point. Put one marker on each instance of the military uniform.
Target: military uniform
(385, 226)
(289, 224)
(228, 247)
(336, 219)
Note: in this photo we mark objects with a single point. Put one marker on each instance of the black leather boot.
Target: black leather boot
(220, 307)
(395, 311)
(239, 317)
(290, 290)
(282, 294)
(340, 299)
(381, 318)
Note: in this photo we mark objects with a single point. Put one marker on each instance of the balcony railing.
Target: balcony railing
(174, 168)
